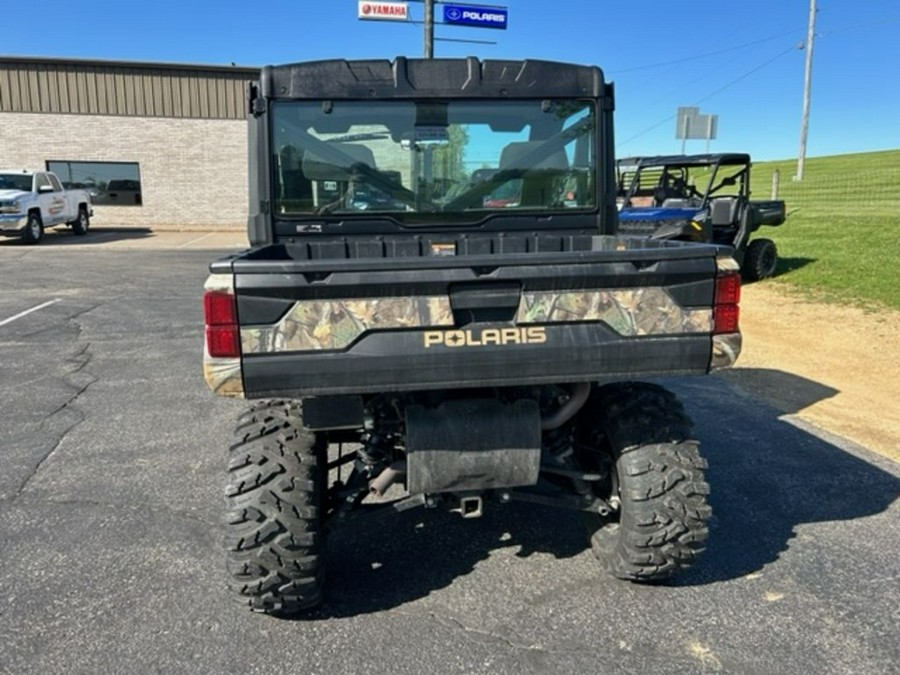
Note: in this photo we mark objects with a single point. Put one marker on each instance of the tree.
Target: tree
(448, 160)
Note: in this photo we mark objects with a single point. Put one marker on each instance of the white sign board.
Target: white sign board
(383, 11)
(691, 125)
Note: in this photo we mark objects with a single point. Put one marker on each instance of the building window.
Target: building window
(109, 183)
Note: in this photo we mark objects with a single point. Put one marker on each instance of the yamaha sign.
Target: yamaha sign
(470, 15)
(383, 11)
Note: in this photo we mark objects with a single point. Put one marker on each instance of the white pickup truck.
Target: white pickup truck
(33, 200)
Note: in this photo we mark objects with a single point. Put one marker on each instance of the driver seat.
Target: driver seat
(542, 186)
(319, 168)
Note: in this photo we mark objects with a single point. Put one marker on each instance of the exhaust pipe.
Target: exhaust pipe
(567, 410)
(380, 484)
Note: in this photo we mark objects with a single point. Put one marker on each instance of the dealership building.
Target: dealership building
(156, 144)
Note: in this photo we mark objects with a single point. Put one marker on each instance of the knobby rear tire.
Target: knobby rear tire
(274, 539)
(642, 434)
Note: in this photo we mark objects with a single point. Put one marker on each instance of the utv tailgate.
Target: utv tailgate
(319, 319)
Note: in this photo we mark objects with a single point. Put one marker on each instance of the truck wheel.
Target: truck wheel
(275, 495)
(34, 229)
(760, 259)
(639, 436)
(81, 224)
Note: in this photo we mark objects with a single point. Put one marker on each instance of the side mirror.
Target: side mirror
(45, 188)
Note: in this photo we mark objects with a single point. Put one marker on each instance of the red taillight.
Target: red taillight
(223, 337)
(223, 341)
(725, 310)
(219, 309)
(728, 289)
(725, 319)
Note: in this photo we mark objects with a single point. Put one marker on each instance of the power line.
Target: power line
(697, 57)
(710, 95)
(471, 42)
(856, 26)
(747, 74)
(843, 29)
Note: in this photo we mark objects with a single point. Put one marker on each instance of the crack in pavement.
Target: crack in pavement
(79, 390)
(69, 319)
(80, 359)
(79, 379)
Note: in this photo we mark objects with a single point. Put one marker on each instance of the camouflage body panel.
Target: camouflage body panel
(219, 282)
(726, 264)
(726, 349)
(313, 325)
(334, 324)
(642, 311)
(223, 376)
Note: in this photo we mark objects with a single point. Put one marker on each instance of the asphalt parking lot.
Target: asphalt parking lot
(111, 492)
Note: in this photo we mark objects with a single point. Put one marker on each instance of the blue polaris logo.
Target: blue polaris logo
(483, 17)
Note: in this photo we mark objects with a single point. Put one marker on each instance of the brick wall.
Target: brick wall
(193, 172)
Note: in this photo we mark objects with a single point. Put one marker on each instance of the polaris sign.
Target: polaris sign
(469, 15)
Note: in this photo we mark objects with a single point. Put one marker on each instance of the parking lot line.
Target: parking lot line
(28, 311)
(194, 241)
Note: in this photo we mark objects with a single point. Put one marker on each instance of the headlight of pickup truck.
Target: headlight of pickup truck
(10, 207)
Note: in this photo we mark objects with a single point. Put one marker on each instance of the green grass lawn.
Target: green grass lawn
(841, 241)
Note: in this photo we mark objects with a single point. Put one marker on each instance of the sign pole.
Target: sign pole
(429, 29)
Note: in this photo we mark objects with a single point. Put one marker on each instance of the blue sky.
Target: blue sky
(735, 59)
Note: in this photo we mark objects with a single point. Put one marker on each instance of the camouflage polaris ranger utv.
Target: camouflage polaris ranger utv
(435, 282)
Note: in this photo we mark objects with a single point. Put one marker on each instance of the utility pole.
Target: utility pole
(804, 124)
(429, 29)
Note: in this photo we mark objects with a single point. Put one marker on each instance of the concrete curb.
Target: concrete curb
(165, 228)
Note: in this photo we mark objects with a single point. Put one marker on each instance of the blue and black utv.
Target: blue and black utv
(702, 198)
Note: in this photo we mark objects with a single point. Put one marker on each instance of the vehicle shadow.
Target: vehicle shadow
(95, 235)
(387, 561)
(785, 265)
(767, 477)
(787, 392)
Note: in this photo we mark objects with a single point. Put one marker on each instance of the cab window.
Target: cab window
(41, 181)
